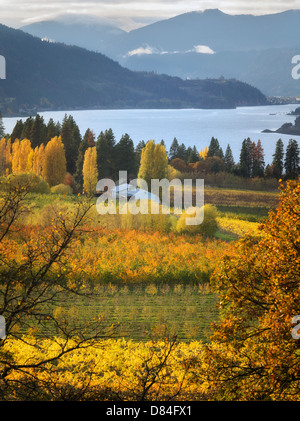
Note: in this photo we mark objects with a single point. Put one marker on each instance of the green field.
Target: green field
(146, 311)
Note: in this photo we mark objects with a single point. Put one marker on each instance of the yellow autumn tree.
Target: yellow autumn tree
(154, 162)
(55, 162)
(39, 160)
(89, 170)
(2, 156)
(21, 156)
(8, 158)
(203, 153)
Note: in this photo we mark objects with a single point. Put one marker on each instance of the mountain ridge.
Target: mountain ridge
(176, 46)
(42, 75)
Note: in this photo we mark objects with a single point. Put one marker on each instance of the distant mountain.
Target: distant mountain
(255, 49)
(213, 28)
(217, 30)
(269, 70)
(86, 32)
(43, 75)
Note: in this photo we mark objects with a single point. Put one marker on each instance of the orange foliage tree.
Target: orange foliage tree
(35, 262)
(253, 355)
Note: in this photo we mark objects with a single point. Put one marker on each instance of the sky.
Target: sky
(130, 14)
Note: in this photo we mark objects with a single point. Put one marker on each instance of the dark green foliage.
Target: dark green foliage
(27, 128)
(106, 158)
(182, 152)
(228, 159)
(57, 76)
(277, 163)
(71, 138)
(292, 160)
(53, 130)
(215, 149)
(2, 129)
(138, 153)
(173, 151)
(38, 131)
(17, 131)
(125, 156)
(246, 158)
(193, 155)
(258, 160)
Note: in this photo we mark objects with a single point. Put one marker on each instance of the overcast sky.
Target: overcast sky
(132, 13)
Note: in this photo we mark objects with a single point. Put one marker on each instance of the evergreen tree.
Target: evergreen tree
(55, 162)
(138, 151)
(258, 160)
(193, 156)
(71, 138)
(38, 131)
(269, 171)
(89, 170)
(17, 131)
(277, 163)
(182, 152)
(106, 162)
(2, 128)
(228, 159)
(246, 158)
(27, 128)
(292, 160)
(125, 156)
(214, 149)
(173, 152)
(52, 129)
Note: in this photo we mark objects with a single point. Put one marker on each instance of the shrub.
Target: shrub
(145, 221)
(173, 173)
(207, 227)
(30, 181)
(62, 189)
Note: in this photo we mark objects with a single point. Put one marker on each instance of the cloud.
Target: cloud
(19, 12)
(141, 51)
(148, 50)
(202, 49)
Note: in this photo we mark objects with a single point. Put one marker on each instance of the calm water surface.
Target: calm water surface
(189, 126)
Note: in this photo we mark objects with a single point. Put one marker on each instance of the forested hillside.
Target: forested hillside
(44, 75)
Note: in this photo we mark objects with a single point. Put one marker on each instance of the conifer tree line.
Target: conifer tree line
(60, 155)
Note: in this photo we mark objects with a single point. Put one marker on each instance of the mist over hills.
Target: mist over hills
(254, 49)
(43, 75)
(88, 32)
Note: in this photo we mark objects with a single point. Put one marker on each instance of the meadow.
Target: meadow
(142, 282)
(147, 280)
